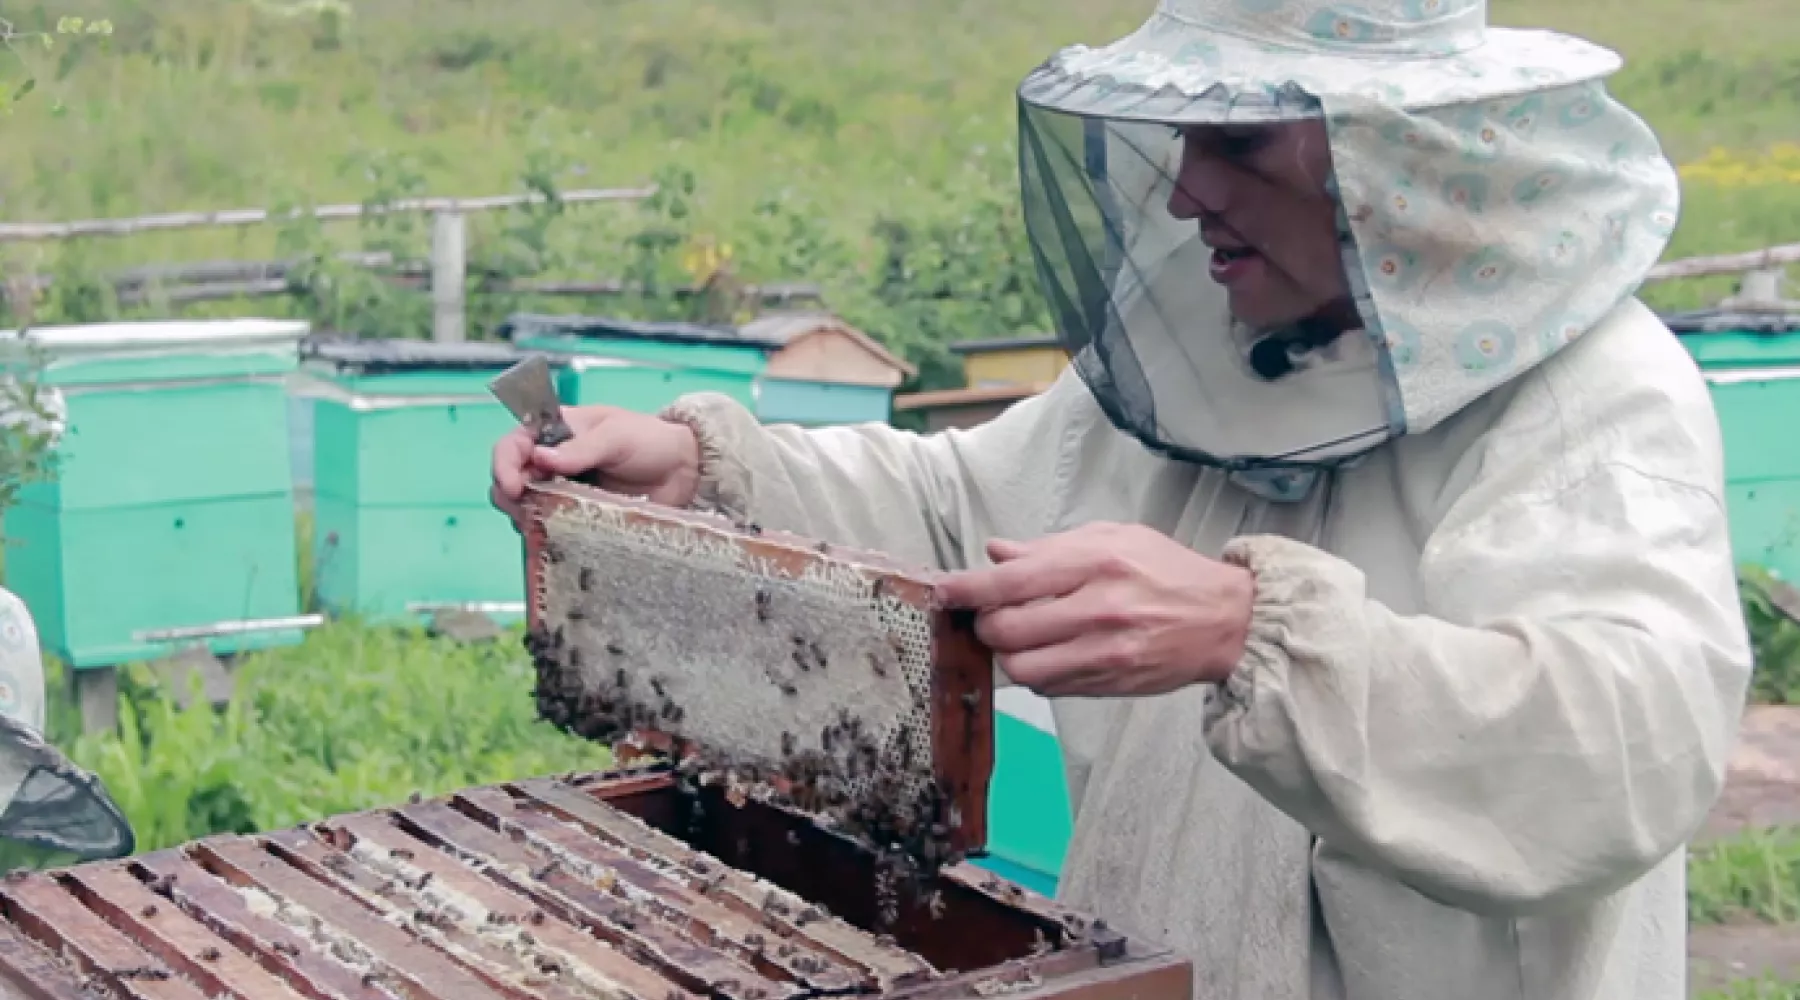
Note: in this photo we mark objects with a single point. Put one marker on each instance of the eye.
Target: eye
(1226, 142)
(1239, 144)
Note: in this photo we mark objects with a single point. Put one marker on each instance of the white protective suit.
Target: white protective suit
(1497, 660)
(1474, 726)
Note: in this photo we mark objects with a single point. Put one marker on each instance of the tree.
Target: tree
(32, 417)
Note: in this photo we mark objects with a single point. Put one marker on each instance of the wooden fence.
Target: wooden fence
(444, 276)
(1764, 274)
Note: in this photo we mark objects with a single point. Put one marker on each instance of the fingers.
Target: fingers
(1085, 665)
(512, 464)
(506, 505)
(592, 447)
(1028, 575)
(1019, 628)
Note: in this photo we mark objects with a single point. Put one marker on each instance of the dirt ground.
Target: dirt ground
(1763, 787)
(1762, 790)
(1719, 956)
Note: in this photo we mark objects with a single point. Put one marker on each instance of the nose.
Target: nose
(1203, 185)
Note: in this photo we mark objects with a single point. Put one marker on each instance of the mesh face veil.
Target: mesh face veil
(1492, 202)
(54, 812)
(1152, 332)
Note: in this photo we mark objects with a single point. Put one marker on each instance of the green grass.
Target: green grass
(1765, 988)
(1752, 876)
(354, 718)
(843, 117)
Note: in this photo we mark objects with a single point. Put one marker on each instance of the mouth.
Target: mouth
(1232, 264)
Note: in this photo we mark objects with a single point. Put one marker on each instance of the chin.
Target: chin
(1261, 315)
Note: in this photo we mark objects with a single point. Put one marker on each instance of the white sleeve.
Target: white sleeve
(932, 500)
(1557, 717)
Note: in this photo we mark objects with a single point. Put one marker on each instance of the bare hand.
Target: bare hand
(621, 451)
(1107, 610)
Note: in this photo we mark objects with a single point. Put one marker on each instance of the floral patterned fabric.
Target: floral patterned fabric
(1244, 60)
(1495, 203)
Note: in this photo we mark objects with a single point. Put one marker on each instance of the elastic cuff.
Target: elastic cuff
(724, 482)
(1271, 620)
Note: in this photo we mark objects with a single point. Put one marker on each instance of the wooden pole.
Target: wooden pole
(1762, 286)
(21, 232)
(1732, 263)
(449, 276)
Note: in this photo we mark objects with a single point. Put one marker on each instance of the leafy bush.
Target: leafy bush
(354, 718)
(1774, 638)
(30, 419)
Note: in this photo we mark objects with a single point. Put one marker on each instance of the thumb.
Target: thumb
(595, 449)
(1003, 550)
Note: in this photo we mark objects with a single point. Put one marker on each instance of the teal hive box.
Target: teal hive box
(821, 371)
(171, 518)
(640, 366)
(403, 438)
(1751, 362)
(1029, 816)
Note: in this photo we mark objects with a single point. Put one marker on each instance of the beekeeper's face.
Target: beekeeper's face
(1259, 194)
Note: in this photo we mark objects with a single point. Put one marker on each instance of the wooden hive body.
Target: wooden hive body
(619, 886)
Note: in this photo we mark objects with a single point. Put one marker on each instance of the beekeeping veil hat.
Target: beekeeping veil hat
(1494, 202)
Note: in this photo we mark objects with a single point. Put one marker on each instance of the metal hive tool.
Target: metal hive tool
(826, 680)
(596, 887)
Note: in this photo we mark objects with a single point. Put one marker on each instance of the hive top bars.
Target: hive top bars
(584, 887)
(829, 681)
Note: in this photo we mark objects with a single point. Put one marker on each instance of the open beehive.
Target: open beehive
(619, 886)
(822, 680)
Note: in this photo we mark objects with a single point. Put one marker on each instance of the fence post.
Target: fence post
(449, 269)
(1762, 286)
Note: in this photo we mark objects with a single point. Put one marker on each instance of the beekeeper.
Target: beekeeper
(1373, 551)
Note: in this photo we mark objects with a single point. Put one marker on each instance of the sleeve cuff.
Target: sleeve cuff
(1300, 590)
(724, 480)
(1263, 640)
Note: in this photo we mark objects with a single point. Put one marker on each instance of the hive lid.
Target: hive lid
(87, 340)
(829, 680)
(1721, 320)
(353, 355)
(523, 325)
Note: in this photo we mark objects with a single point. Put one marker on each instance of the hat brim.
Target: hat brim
(1174, 74)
